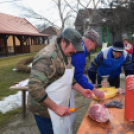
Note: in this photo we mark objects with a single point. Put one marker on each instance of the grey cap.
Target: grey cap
(74, 37)
(92, 35)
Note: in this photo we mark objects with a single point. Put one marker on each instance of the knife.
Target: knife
(73, 109)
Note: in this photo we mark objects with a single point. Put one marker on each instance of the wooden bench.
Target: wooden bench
(119, 124)
(23, 89)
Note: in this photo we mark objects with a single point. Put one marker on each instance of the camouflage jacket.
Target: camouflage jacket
(48, 65)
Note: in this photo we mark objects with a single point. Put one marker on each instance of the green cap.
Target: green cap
(74, 37)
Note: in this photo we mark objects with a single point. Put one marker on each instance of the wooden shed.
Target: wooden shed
(17, 35)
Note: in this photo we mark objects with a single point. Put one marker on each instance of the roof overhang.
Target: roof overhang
(24, 33)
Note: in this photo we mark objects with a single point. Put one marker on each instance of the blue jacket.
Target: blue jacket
(111, 66)
(79, 62)
(104, 64)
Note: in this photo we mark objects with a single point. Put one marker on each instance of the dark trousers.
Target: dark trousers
(44, 124)
(115, 82)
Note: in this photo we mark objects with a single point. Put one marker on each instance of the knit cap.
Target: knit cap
(92, 35)
(118, 46)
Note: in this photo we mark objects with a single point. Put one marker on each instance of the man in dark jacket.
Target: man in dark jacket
(109, 62)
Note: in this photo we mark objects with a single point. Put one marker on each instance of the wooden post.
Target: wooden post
(38, 40)
(48, 40)
(14, 45)
(23, 103)
(31, 40)
(43, 40)
(26, 42)
(5, 43)
(22, 44)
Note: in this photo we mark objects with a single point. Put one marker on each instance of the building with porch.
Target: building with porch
(17, 36)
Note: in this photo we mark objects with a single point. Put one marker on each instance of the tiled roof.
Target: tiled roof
(51, 30)
(17, 26)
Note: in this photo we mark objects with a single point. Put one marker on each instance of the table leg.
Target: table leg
(23, 104)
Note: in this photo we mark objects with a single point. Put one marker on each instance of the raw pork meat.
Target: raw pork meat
(99, 113)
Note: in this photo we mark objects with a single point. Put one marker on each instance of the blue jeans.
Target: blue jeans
(44, 124)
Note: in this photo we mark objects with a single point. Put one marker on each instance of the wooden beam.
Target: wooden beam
(43, 40)
(22, 44)
(39, 40)
(31, 40)
(25, 37)
(14, 45)
(36, 40)
(5, 43)
(20, 37)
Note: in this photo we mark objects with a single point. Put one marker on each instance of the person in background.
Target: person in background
(128, 46)
(109, 62)
(89, 41)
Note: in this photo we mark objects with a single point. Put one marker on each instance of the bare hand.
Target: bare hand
(130, 85)
(88, 93)
(121, 91)
(62, 110)
(98, 93)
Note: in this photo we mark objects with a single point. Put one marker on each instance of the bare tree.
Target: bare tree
(84, 10)
(67, 11)
(64, 13)
(117, 15)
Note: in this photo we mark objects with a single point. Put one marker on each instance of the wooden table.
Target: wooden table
(23, 89)
(119, 124)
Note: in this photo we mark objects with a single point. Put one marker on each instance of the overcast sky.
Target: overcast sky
(39, 6)
(45, 8)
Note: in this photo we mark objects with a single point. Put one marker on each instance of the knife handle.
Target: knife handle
(72, 109)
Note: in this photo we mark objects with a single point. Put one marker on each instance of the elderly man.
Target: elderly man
(109, 62)
(89, 41)
(50, 84)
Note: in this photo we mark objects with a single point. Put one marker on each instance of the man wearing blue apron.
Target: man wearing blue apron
(51, 81)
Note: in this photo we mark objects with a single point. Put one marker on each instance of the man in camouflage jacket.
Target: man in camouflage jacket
(48, 66)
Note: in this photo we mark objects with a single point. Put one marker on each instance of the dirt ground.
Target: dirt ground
(28, 126)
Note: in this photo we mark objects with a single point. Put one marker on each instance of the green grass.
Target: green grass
(7, 78)
(4, 118)
(97, 50)
(88, 63)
